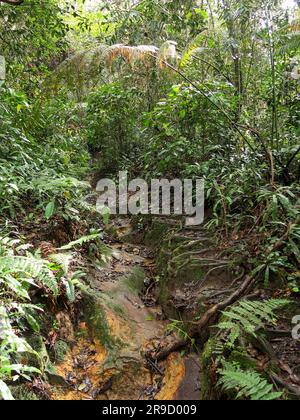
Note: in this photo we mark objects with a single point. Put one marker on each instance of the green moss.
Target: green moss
(207, 387)
(60, 350)
(164, 292)
(207, 351)
(40, 359)
(135, 280)
(97, 323)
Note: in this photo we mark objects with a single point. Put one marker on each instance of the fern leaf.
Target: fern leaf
(248, 317)
(247, 384)
(244, 321)
(193, 48)
(70, 290)
(14, 285)
(269, 317)
(81, 241)
(63, 260)
(29, 267)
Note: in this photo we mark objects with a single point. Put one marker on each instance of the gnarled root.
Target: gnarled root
(172, 342)
(169, 344)
(211, 315)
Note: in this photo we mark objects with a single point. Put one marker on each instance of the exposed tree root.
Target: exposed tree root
(168, 345)
(292, 389)
(173, 343)
(211, 315)
(202, 282)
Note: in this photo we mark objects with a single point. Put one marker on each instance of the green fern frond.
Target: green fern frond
(26, 268)
(63, 260)
(7, 245)
(59, 183)
(14, 285)
(248, 317)
(193, 48)
(247, 384)
(81, 241)
(70, 289)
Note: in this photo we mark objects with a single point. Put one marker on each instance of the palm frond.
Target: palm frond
(194, 48)
(87, 64)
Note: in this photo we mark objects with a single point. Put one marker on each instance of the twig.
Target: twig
(238, 278)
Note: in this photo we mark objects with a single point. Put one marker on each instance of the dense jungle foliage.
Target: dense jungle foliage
(164, 89)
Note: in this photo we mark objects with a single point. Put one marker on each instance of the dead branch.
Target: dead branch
(170, 344)
(282, 241)
(237, 279)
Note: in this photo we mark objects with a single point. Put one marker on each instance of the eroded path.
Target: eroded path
(108, 358)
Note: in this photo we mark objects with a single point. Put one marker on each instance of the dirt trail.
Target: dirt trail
(126, 323)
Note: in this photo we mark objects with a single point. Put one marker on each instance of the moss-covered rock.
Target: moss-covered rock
(135, 280)
(60, 350)
(39, 358)
(156, 233)
(96, 321)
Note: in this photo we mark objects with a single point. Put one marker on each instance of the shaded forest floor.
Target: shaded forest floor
(133, 335)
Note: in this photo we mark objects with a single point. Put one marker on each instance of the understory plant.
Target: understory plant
(241, 324)
(24, 273)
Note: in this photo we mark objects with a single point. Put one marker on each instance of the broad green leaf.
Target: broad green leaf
(5, 392)
(32, 322)
(49, 211)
